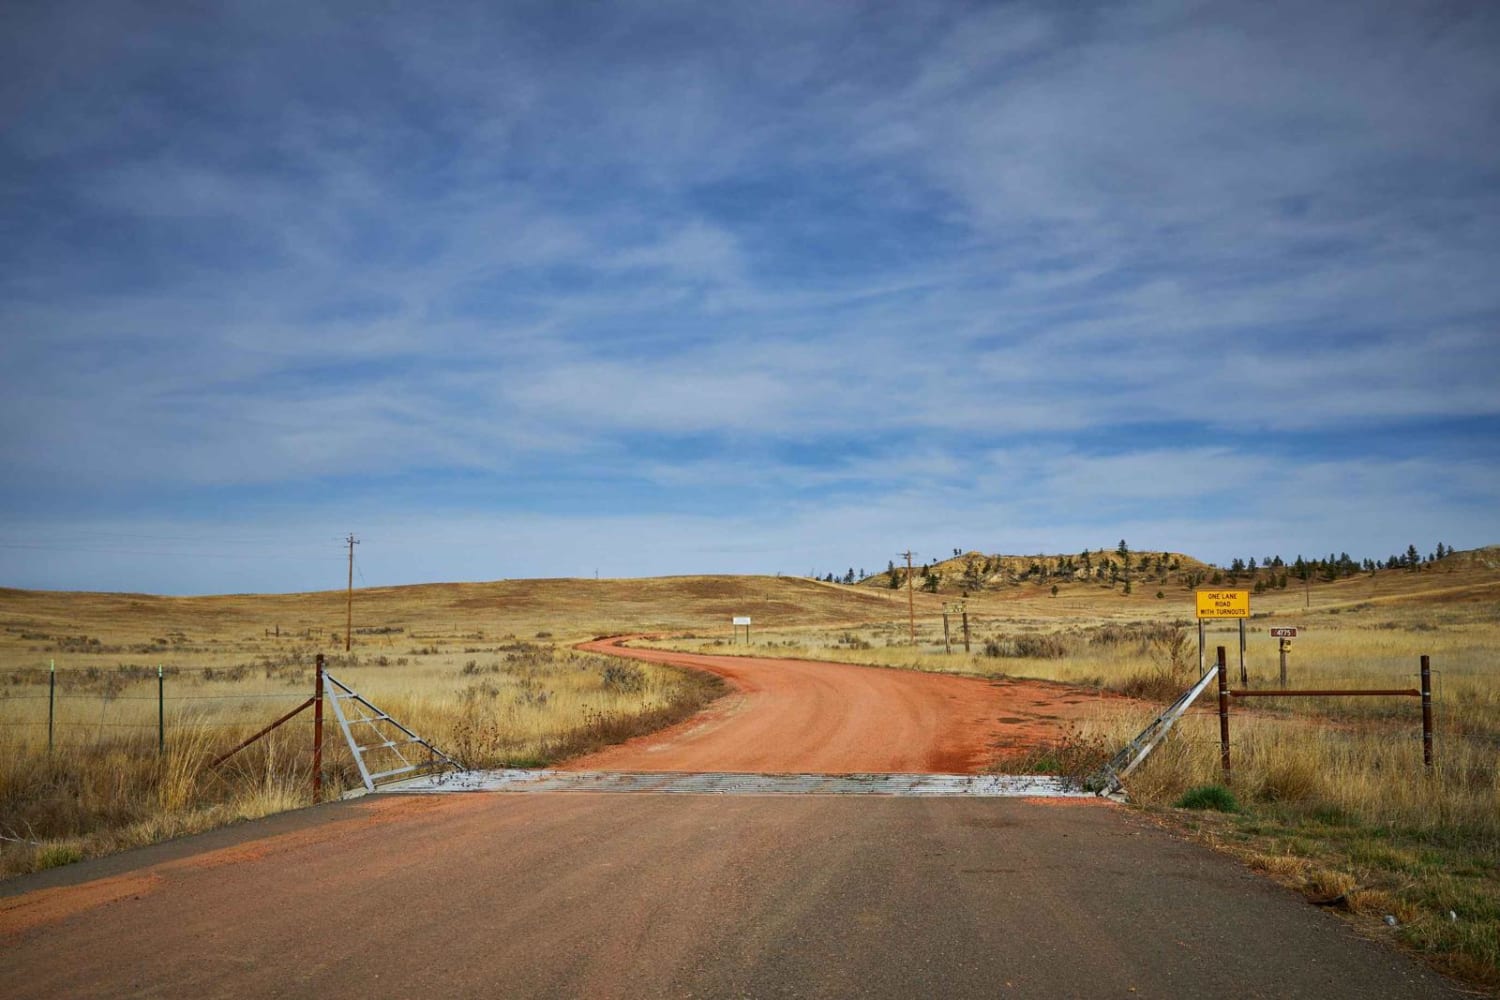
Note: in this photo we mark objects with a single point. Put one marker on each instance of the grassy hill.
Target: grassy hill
(150, 628)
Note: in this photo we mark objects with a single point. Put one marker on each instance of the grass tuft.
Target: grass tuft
(56, 855)
(1215, 797)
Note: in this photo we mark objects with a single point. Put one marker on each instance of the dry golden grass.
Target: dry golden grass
(476, 668)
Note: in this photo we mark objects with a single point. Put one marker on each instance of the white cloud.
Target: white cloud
(679, 246)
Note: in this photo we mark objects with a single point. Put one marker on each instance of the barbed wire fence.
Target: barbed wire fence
(84, 716)
(40, 706)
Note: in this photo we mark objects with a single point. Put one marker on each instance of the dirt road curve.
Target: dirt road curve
(830, 718)
(600, 896)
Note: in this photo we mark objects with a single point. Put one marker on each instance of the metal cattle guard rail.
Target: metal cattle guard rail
(1425, 693)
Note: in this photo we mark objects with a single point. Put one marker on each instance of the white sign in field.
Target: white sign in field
(742, 620)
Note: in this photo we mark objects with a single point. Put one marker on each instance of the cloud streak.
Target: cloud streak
(1024, 269)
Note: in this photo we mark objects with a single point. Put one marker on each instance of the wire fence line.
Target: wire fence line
(23, 690)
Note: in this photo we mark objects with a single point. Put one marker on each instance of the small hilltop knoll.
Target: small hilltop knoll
(975, 571)
(1125, 572)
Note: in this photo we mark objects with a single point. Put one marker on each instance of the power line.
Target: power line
(349, 607)
(911, 608)
(65, 547)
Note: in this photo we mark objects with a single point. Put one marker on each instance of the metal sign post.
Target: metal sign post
(1244, 677)
(1286, 635)
(742, 620)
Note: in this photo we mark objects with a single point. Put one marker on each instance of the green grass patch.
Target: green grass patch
(1215, 797)
(57, 855)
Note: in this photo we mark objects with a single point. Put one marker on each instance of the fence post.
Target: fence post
(51, 700)
(1244, 675)
(161, 713)
(1223, 714)
(318, 733)
(1426, 710)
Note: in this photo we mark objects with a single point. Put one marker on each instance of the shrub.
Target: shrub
(1073, 756)
(1034, 647)
(624, 677)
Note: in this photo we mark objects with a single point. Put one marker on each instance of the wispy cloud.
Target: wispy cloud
(816, 276)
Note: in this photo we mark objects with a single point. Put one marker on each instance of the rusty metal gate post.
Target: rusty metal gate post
(1223, 714)
(318, 733)
(1426, 711)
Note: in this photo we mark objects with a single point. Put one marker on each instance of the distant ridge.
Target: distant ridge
(976, 572)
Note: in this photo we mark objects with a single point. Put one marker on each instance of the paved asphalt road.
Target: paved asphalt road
(590, 895)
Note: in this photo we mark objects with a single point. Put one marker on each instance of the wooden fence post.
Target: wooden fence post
(318, 733)
(1426, 711)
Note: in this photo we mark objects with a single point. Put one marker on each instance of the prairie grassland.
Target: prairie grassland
(106, 785)
(476, 668)
(433, 657)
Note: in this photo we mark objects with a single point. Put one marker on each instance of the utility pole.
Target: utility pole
(349, 604)
(911, 607)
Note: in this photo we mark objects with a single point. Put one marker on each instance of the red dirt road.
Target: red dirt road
(836, 718)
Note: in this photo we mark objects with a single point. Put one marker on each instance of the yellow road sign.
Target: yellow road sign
(1223, 603)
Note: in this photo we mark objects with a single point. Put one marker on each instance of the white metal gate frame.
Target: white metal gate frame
(1110, 778)
(340, 693)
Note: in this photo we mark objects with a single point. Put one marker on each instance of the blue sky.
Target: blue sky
(540, 289)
